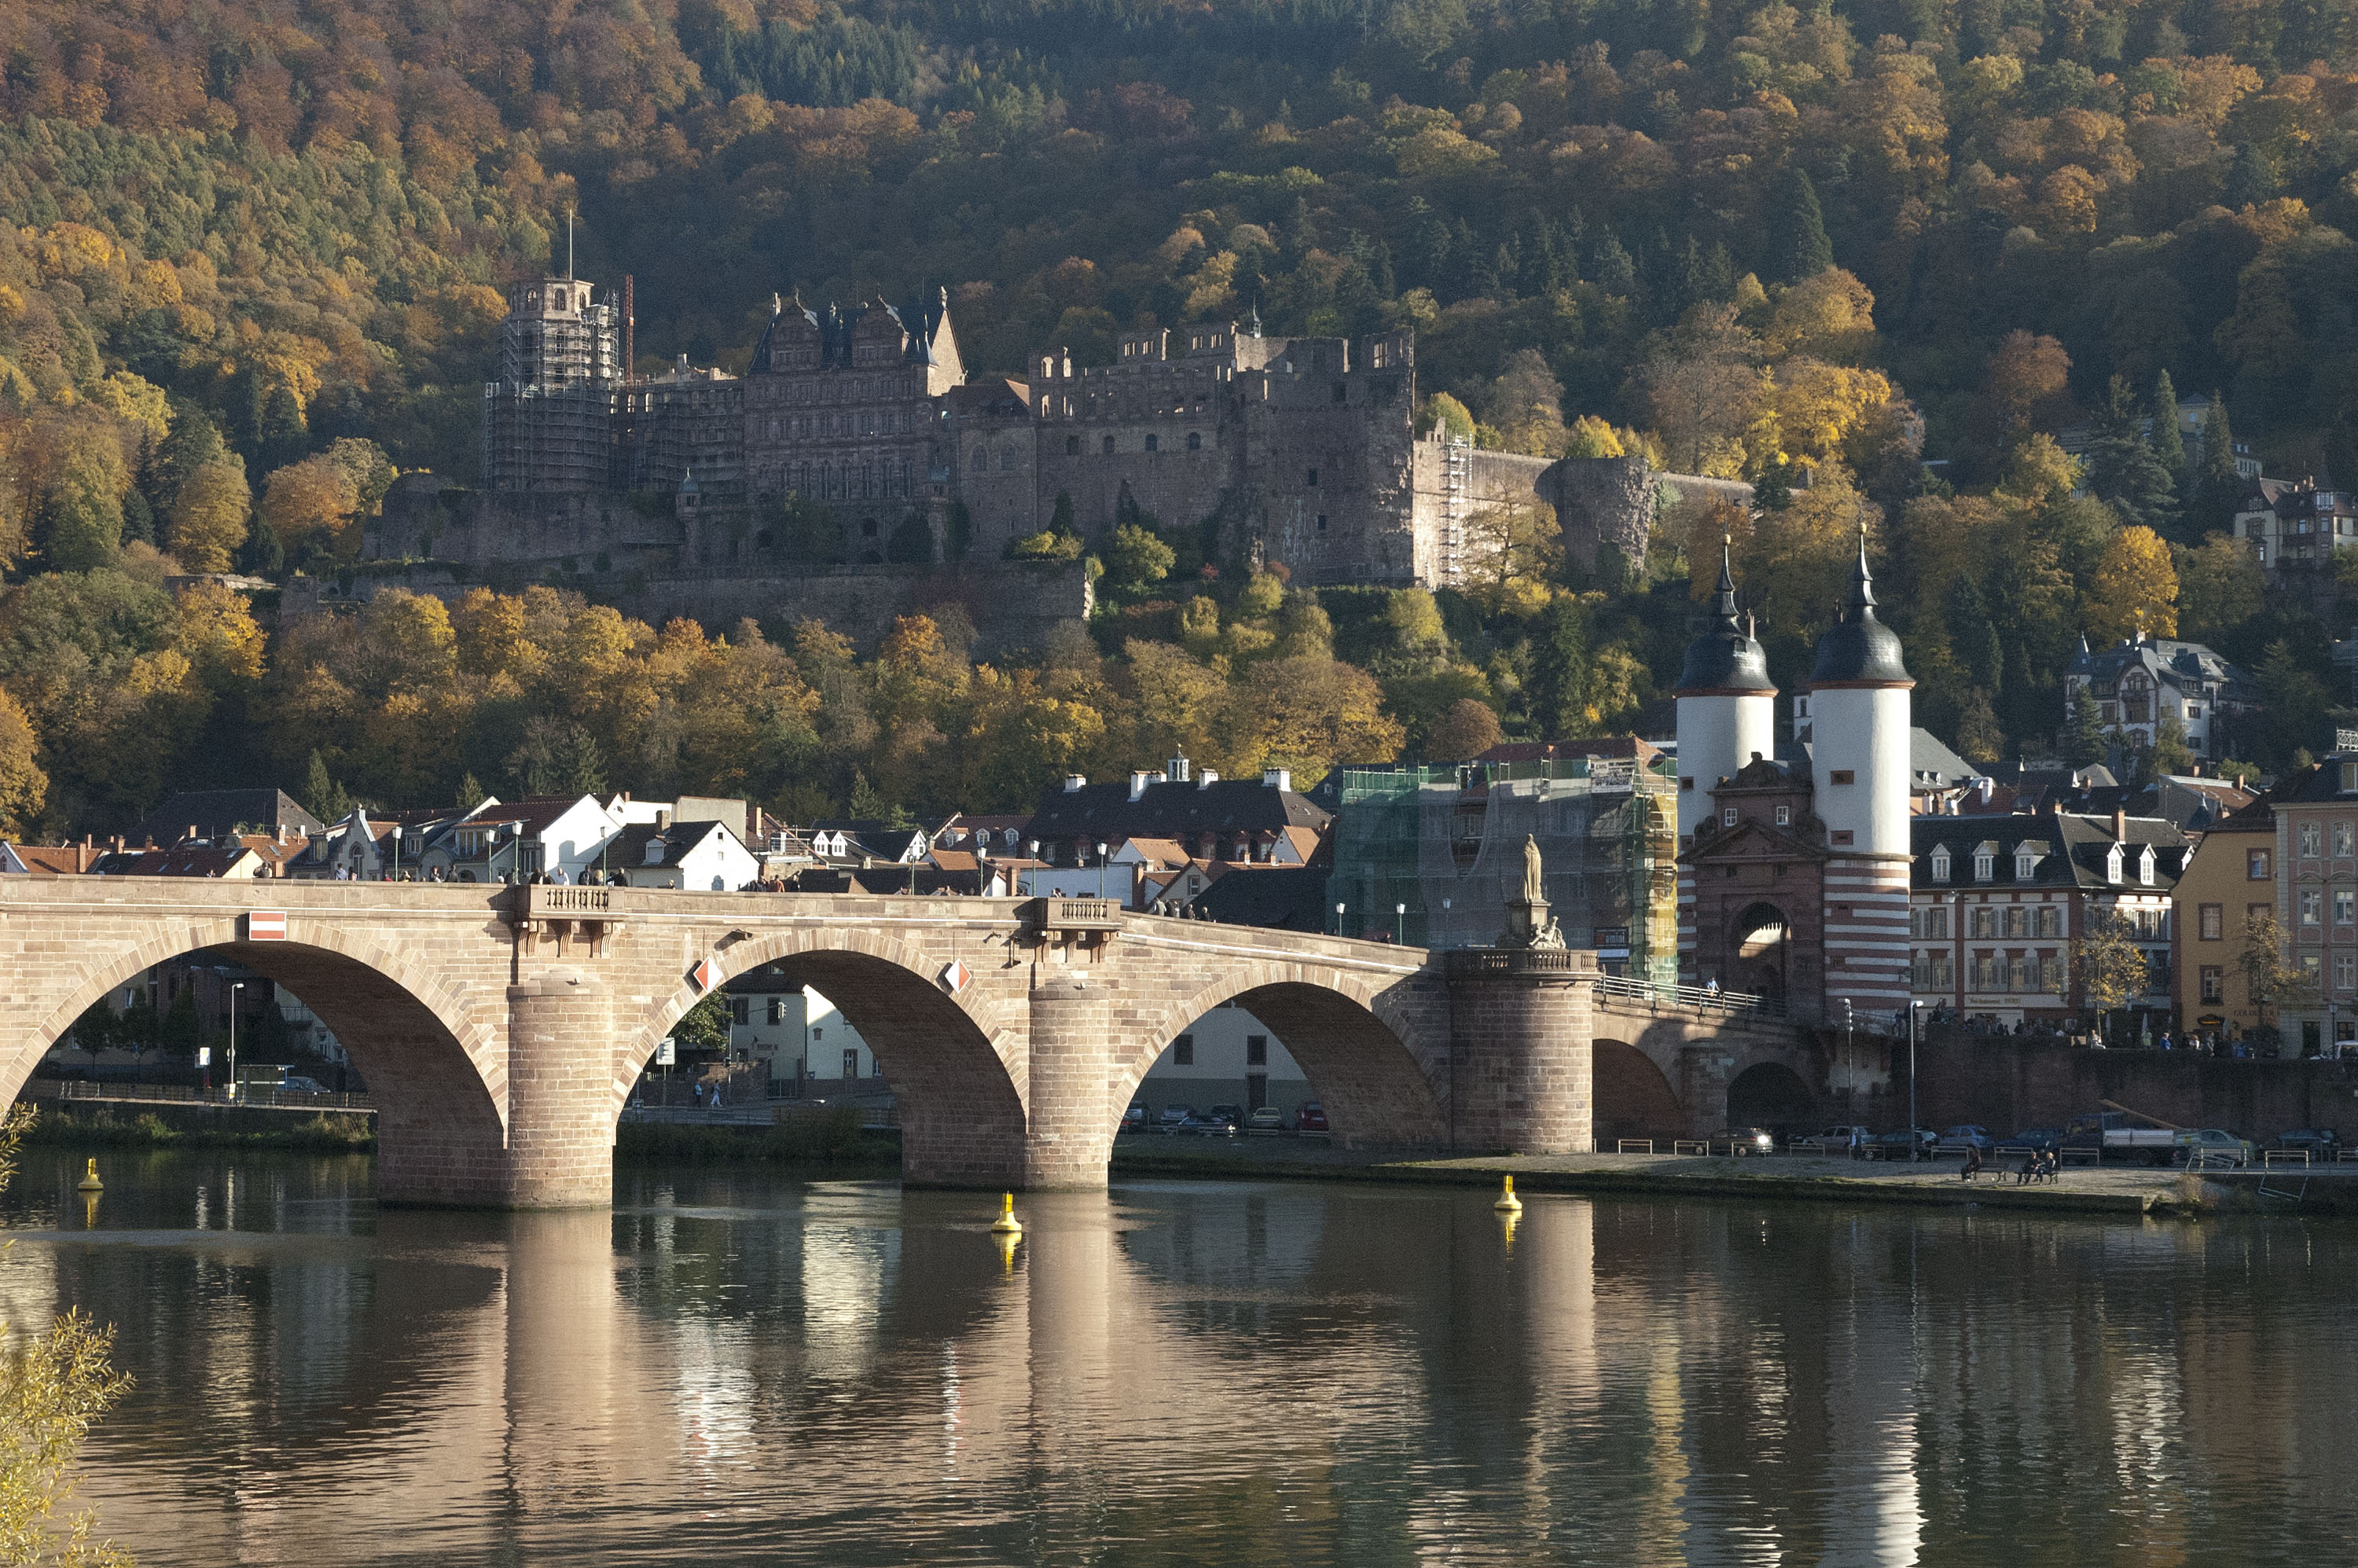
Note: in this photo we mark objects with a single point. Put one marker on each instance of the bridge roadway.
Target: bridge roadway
(500, 1030)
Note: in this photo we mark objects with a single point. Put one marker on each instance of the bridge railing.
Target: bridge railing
(1701, 998)
(184, 1093)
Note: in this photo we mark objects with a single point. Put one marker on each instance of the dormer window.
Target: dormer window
(1985, 865)
(2113, 864)
(1940, 864)
(2026, 864)
(2146, 866)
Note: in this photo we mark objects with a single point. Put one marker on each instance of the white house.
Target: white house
(1226, 1058)
(702, 857)
(2138, 684)
(799, 1033)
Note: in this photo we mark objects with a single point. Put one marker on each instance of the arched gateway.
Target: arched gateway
(502, 1029)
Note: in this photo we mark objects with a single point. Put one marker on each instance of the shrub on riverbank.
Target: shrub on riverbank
(830, 1136)
(319, 1134)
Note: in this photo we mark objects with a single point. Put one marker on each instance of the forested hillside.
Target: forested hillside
(253, 255)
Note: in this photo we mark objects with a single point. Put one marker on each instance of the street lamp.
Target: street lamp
(1338, 920)
(1912, 1006)
(234, 987)
(1101, 866)
(1399, 923)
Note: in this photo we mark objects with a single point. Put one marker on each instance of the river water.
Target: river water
(737, 1368)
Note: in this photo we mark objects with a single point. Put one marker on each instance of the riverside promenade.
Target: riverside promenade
(2113, 1190)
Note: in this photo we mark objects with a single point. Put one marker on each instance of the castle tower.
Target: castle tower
(1726, 704)
(545, 420)
(1861, 717)
(1727, 716)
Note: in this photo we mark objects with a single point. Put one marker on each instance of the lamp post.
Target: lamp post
(1399, 923)
(234, 987)
(1912, 1006)
(1338, 920)
(1101, 867)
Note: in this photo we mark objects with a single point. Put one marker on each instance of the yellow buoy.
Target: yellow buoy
(90, 1182)
(1007, 1223)
(1508, 1202)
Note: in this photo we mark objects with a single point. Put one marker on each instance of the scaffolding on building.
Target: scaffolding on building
(1429, 855)
(1456, 487)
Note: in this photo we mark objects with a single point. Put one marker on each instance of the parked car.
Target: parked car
(1208, 1125)
(1133, 1120)
(1267, 1120)
(1174, 1117)
(2036, 1138)
(1311, 1118)
(1233, 1115)
(2117, 1136)
(2321, 1142)
(1957, 1140)
(303, 1085)
(1894, 1145)
(1846, 1140)
(2210, 1146)
(1748, 1140)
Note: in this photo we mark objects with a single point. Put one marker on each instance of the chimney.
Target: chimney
(1138, 779)
(1076, 782)
(2120, 825)
(1278, 778)
(192, 830)
(1211, 776)
(662, 818)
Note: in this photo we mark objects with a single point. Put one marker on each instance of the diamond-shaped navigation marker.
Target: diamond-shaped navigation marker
(955, 975)
(707, 973)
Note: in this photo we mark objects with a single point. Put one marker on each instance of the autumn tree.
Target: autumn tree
(24, 786)
(209, 515)
(2136, 588)
(2271, 978)
(53, 1388)
(2112, 971)
(1468, 729)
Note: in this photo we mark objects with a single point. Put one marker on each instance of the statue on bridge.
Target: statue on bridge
(1528, 925)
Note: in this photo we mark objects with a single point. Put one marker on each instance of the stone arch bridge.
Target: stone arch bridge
(502, 1029)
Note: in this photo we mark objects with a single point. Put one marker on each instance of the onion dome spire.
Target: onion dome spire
(1726, 659)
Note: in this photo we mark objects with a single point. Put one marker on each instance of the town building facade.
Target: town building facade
(2141, 684)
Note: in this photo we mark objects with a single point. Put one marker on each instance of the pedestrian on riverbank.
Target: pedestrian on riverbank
(1973, 1165)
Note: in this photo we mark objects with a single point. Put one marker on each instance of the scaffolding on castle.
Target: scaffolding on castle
(1429, 855)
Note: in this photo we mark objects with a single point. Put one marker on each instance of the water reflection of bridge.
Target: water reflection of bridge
(864, 1382)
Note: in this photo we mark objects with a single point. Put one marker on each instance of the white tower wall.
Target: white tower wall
(1862, 732)
(1717, 735)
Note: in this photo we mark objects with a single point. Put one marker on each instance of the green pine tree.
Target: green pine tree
(2083, 736)
(2123, 470)
(2217, 486)
(867, 805)
(2169, 444)
(1797, 247)
(322, 796)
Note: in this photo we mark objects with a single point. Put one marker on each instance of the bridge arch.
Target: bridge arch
(435, 1066)
(1631, 1096)
(956, 1062)
(1351, 1033)
(1769, 1094)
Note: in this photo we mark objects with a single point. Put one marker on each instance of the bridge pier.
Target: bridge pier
(560, 1091)
(1521, 1068)
(1070, 1124)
